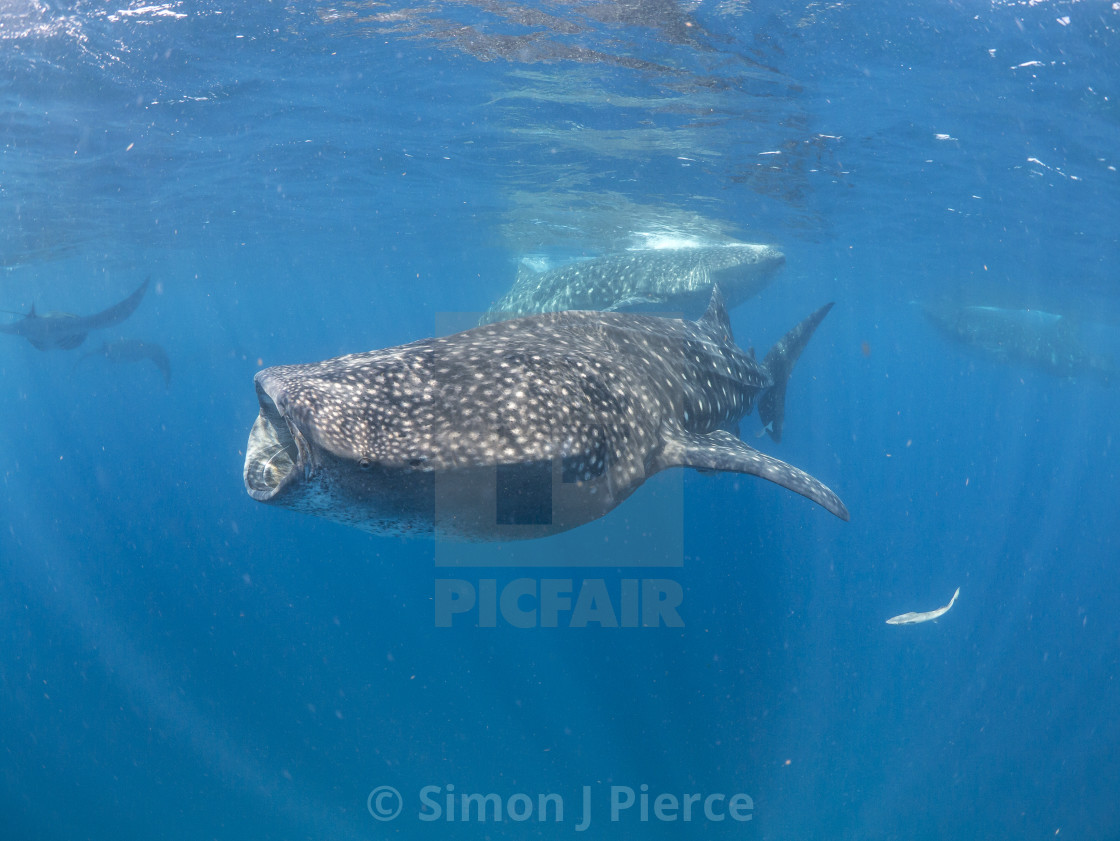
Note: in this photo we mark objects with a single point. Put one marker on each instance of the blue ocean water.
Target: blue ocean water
(304, 180)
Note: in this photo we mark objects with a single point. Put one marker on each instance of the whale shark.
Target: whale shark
(1047, 341)
(133, 350)
(522, 428)
(665, 280)
(66, 331)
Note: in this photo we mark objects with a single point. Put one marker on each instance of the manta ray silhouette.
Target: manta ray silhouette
(66, 331)
(134, 350)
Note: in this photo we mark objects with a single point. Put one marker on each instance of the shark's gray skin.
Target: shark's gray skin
(1044, 340)
(64, 330)
(132, 350)
(519, 429)
(664, 280)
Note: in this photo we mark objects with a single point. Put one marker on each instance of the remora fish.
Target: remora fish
(518, 429)
(659, 279)
(1049, 342)
(915, 618)
(64, 330)
(132, 350)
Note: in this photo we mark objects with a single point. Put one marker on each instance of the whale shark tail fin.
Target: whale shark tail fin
(779, 362)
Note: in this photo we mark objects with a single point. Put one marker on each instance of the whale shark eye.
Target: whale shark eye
(364, 463)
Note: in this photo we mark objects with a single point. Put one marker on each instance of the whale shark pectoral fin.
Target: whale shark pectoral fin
(721, 451)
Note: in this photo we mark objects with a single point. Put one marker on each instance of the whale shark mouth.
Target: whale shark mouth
(277, 455)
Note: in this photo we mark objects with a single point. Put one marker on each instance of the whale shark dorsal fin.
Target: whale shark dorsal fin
(715, 318)
(723, 452)
(1068, 327)
(527, 271)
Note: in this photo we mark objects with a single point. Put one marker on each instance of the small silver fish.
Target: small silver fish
(915, 618)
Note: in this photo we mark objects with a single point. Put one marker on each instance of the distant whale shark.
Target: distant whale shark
(519, 429)
(1049, 342)
(132, 350)
(665, 280)
(65, 331)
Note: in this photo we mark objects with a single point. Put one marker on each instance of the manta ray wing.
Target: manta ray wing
(114, 314)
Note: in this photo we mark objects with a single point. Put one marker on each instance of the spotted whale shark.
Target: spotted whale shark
(665, 280)
(522, 428)
(1047, 341)
(64, 330)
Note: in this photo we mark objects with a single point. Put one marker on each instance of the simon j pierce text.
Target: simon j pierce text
(623, 804)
